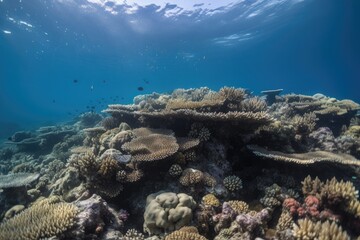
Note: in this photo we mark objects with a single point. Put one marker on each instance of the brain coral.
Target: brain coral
(42, 220)
(167, 211)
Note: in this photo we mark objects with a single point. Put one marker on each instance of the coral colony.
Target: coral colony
(195, 164)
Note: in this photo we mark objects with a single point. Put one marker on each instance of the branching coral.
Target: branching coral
(42, 220)
(108, 167)
(239, 206)
(175, 170)
(132, 234)
(254, 104)
(211, 200)
(232, 94)
(232, 183)
(192, 177)
(184, 233)
(306, 229)
(85, 163)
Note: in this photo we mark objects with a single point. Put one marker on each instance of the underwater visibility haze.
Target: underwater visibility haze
(179, 120)
(60, 57)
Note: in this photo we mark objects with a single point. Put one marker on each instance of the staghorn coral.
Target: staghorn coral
(304, 124)
(44, 219)
(254, 104)
(305, 158)
(232, 183)
(232, 94)
(167, 211)
(17, 179)
(152, 147)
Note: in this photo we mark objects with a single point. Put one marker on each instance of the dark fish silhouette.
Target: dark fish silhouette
(140, 88)
(53, 100)
(75, 81)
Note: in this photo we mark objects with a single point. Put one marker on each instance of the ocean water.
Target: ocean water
(110, 49)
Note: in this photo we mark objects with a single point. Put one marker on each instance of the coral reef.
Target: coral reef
(282, 168)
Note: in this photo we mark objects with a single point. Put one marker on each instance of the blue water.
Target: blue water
(63, 57)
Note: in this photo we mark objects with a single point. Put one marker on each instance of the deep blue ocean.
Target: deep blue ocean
(59, 58)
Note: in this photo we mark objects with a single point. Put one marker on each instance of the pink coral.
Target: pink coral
(312, 204)
(291, 205)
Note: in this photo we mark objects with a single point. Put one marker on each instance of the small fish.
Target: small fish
(104, 81)
(75, 81)
(92, 87)
(140, 88)
(53, 100)
(146, 81)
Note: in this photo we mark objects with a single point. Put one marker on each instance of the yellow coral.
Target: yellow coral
(354, 207)
(311, 187)
(108, 167)
(339, 190)
(239, 206)
(85, 163)
(185, 234)
(285, 221)
(40, 221)
(191, 177)
(210, 199)
(307, 230)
